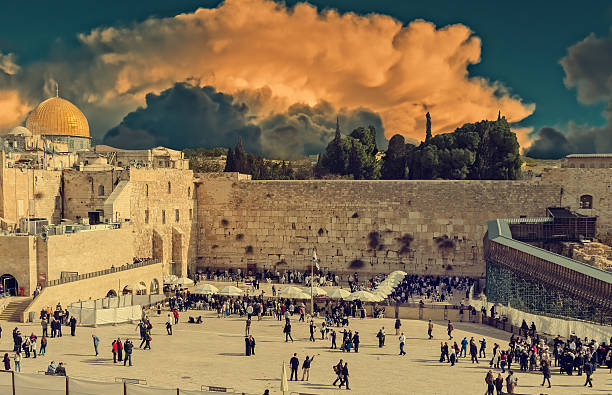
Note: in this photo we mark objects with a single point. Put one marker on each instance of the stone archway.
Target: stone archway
(10, 286)
(111, 294)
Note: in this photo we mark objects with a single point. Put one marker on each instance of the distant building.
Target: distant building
(587, 161)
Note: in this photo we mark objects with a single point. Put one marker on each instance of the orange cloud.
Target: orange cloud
(523, 137)
(12, 109)
(279, 56)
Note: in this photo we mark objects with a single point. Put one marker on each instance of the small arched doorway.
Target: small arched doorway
(154, 289)
(9, 285)
(111, 294)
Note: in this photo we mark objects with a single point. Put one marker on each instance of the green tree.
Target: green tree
(230, 163)
(335, 158)
(427, 127)
(395, 159)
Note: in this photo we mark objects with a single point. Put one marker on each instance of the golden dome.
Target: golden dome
(57, 116)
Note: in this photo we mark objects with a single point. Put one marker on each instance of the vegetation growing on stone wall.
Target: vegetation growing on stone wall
(356, 264)
(355, 215)
(405, 241)
(444, 243)
(239, 236)
(248, 249)
(373, 240)
(224, 222)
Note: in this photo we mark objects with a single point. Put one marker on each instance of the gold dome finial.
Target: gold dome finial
(56, 89)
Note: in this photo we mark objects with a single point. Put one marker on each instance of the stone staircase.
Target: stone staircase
(14, 308)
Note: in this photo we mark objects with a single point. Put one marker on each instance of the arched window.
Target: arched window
(100, 190)
(147, 190)
(586, 201)
(169, 187)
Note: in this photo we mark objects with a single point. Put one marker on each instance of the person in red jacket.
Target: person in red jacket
(176, 316)
(115, 351)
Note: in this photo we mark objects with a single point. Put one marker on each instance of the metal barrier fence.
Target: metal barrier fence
(35, 384)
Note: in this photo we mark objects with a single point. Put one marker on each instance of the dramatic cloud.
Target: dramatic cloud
(12, 109)
(297, 55)
(189, 116)
(7, 64)
(588, 68)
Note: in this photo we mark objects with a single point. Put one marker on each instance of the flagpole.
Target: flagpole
(311, 282)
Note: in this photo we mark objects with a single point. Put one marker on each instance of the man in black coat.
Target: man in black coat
(73, 323)
(356, 341)
(252, 344)
(247, 346)
(588, 370)
(294, 362)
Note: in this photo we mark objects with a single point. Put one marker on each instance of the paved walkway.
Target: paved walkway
(213, 354)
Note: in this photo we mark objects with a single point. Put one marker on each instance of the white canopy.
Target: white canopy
(316, 291)
(136, 287)
(205, 289)
(184, 281)
(293, 293)
(364, 296)
(230, 290)
(338, 294)
(170, 279)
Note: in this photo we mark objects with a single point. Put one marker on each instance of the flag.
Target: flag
(284, 385)
(315, 259)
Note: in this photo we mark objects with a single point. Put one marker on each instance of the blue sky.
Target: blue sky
(522, 41)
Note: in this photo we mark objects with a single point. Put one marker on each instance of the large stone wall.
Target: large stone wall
(275, 224)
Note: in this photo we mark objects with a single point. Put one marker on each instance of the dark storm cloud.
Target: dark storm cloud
(588, 68)
(187, 116)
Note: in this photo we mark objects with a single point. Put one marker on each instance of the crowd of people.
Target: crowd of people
(414, 288)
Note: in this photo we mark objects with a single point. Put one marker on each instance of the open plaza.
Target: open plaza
(213, 354)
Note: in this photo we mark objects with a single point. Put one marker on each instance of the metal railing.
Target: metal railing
(101, 272)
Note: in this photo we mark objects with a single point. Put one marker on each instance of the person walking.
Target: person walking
(294, 363)
(473, 350)
(588, 370)
(398, 324)
(545, 373)
(483, 348)
(345, 377)
(332, 336)
(287, 331)
(464, 344)
(306, 367)
(96, 341)
(430, 329)
(356, 341)
(169, 325)
(128, 346)
(43, 345)
(312, 330)
(449, 330)
(338, 370)
(402, 341)
(247, 328)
